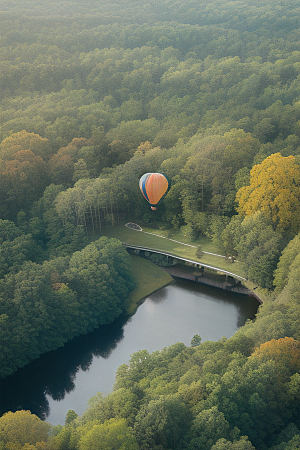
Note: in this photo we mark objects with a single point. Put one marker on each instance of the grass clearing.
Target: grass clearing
(161, 242)
(207, 244)
(149, 278)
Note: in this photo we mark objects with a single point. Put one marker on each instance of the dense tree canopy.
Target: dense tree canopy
(92, 96)
(45, 305)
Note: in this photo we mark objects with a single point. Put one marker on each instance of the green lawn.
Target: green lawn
(149, 278)
(207, 244)
(161, 242)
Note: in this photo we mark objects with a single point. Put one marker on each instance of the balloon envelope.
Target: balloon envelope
(153, 187)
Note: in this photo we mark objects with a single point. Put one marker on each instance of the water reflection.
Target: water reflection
(66, 378)
(54, 373)
(159, 296)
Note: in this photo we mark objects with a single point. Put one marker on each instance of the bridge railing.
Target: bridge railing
(180, 258)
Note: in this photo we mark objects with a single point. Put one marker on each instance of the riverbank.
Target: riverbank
(209, 279)
(86, 365)
(148, 278)
(148, 283)
(68, 377)
(149, 239)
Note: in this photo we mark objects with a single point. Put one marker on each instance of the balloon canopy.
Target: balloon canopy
(153, 187)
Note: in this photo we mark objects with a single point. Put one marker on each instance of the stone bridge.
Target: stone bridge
(172, 259)
(189, 269)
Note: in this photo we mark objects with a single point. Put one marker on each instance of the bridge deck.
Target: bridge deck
(188, 275)
(180, 258)
(178, 272)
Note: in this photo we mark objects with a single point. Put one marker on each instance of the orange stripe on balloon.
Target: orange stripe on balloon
(156, 186)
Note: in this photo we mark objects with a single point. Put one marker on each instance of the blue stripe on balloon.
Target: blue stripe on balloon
(144, 187)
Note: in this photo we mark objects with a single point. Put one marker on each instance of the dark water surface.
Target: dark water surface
(66, 378)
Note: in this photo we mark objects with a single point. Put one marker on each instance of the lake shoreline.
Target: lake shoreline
(68, 377)
(210, 279)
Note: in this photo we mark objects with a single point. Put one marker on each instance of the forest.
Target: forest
(92, 96)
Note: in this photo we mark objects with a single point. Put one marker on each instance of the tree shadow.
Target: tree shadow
(54, 372)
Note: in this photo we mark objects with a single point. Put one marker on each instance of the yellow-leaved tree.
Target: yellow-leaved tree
(23, 140)
(23, 429)
(285, 352)
(275, 190)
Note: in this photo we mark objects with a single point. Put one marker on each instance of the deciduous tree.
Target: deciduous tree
(114, 434)
(275, 190)
(22, 428)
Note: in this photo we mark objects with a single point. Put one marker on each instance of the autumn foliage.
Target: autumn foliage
(284, 351)
(22, 427)
(197, 90)
(275, 190)
(24, 141)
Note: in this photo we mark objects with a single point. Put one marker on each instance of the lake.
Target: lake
(66, 378)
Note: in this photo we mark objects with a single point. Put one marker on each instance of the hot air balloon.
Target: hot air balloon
(153, 187)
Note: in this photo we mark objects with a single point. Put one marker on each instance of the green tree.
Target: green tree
(209, 426)
(80, 170)
(100, 273)
(113, 434)
(259, 248)
(287, 258)
(70, 417)
(14, 253)
(161, 423)
(230, 234)
(196, 340)
(242, 444)
(120, 404)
